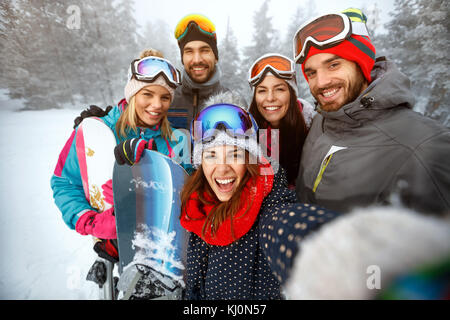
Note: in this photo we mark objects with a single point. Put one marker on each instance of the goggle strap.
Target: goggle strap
(359, 28)
(258, 78)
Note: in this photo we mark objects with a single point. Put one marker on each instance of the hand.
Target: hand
(129, 151)
(92, 111)
(108, 192)
(100, 225)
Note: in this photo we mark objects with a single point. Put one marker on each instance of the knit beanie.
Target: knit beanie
(357, 48)
(193, 34)
(133, 86)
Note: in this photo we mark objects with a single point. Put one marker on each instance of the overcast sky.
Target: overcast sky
(241, 12)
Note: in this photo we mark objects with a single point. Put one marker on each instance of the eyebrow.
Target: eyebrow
(199, 48)
(277, 85)
(335, 57)
(153, 92)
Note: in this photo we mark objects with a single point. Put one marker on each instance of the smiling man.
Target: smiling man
(196, 36)
(366, 146)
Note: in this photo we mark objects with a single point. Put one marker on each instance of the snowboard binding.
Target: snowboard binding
(141, 282)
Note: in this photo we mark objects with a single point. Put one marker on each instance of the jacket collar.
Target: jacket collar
(204, 89)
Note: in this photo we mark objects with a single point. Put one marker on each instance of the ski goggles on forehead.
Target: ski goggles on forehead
(279, 65)
(195, 21)
(225, 117)
(325, 32)
(149, 68)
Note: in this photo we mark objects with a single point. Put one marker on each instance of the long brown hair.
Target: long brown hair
(293, 129)
(222, 210)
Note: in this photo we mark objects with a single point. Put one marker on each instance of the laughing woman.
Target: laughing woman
(243, 221)
(275, 106)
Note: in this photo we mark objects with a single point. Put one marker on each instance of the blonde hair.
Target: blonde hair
(129, 119)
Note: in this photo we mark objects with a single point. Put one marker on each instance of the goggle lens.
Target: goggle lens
(151, 67)
(323, 30)
(201, 21)
(147, 69)
(221, 116)
(276, 62)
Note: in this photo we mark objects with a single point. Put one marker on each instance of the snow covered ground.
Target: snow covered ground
(41, 258)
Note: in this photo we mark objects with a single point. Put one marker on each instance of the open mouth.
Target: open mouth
(198, 70)
(331, 93)
(153, 113)
(225, 185)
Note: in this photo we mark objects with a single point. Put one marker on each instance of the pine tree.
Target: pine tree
(417, 41)
(158, 35)
(300, 16)
(234, 76)
(265, 37)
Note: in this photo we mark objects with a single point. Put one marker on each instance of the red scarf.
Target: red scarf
(253, 193)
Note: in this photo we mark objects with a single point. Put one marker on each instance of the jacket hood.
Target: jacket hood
(389, 89)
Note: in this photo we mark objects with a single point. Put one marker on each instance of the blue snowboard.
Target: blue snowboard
(147, 208)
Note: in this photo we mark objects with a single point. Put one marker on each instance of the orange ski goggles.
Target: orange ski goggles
(279, 65)
(195, 20)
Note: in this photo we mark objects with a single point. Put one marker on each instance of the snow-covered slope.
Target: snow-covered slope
(41, 258)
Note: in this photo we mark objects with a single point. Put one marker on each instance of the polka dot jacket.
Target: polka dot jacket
(255, 265)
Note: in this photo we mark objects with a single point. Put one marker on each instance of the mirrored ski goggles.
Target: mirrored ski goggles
(325, 32)
(149, 68)
(278, 64)
(225, 117)
(195, 20)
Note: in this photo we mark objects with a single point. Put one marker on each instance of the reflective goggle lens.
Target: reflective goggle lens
(201, 21)
(147, 69)
(324, 30)
(222, 117)
(277, 62)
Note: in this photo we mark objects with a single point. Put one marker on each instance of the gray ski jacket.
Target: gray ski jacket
(189, 97)
(376, 150)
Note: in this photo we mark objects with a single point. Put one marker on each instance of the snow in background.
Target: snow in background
(41, 258)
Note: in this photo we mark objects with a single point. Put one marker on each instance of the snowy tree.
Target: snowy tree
(265, 37)
(302, 14)
(234, 75)
(417, 40)
(158, 35)
(55, 54)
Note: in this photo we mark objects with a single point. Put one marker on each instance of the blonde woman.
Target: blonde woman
(139, 119)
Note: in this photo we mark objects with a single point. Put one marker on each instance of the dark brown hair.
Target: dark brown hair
(293, 129)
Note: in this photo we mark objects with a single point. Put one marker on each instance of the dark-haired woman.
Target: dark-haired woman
(275, 105)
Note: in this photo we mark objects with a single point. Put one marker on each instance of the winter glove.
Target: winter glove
(100, 225)
(130, 151)
(108, 192)
(93, 111)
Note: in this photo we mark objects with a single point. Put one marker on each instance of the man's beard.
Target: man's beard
(355, 88)
(209, 74)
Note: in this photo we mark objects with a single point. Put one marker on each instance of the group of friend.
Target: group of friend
(361, 145)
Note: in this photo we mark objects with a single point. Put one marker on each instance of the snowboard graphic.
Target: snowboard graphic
(95, 150)
(147, 208)
(95, 144)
